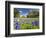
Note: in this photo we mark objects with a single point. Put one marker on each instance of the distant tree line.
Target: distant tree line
(33, 14)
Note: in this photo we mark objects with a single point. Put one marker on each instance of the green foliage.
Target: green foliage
(25, 26)
(16, 13)
(28, 26)
(33, 14)
(23, 17)
(35, 27)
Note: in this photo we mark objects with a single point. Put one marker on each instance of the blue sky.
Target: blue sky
(24, 11)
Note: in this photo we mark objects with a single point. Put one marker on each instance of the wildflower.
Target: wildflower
(35, 23)
(17, 25)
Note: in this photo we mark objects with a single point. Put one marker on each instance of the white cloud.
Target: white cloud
(20, 11)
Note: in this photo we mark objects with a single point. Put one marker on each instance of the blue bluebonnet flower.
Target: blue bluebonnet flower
(35, 23)
(17, 25)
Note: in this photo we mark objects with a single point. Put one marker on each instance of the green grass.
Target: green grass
(28, 26)
(35, 27)
(25, 26)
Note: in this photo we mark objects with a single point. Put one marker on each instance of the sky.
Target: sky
(24, 11)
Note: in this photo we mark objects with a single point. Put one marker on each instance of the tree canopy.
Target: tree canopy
(16, 13)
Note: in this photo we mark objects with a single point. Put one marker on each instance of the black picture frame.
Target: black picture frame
(7, 18)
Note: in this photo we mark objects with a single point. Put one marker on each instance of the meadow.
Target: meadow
(26, 18)
(27, 23)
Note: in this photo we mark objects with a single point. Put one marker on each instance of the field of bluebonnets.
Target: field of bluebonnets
(26, 18)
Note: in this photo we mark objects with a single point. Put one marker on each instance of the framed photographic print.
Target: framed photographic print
(24, 18)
